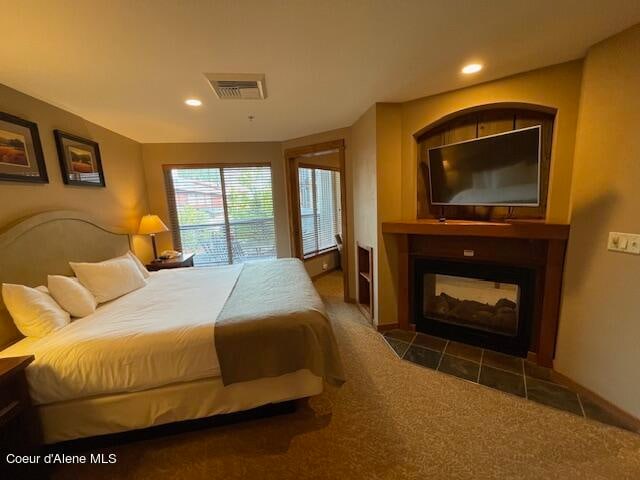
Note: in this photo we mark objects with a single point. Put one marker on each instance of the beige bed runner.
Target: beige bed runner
(274, 323)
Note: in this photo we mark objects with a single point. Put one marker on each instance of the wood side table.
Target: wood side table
(20, 430)
(184, 260)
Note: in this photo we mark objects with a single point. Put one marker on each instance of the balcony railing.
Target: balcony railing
(249, 239)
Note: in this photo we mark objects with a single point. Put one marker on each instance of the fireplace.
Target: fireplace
(481, 304)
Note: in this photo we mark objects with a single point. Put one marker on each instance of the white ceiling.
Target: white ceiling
(129, 65)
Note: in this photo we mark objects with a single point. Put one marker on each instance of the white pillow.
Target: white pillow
(109, 279)
(71, 295)
(34, 312)
(143, 270)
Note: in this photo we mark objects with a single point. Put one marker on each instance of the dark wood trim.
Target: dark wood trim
(551, 302)
(404, 274)
(534, 107)
(533, 230)
(385, 327)
(364, 280)
(625, 418)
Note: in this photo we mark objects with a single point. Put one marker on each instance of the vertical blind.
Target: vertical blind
(222, 214)
(320, 209)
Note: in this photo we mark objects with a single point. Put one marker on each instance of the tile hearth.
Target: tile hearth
(509, 374)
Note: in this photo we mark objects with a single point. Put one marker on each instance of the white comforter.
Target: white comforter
(157, 335)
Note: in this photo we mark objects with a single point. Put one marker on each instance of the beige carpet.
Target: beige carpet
(392, 419)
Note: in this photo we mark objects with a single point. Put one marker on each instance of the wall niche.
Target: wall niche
(478, 122)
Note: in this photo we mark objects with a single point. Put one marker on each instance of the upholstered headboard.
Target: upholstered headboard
(44, 244)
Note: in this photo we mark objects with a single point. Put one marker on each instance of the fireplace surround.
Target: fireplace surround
(532, 245)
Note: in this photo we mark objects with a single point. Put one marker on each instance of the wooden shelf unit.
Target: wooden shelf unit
(364, 267)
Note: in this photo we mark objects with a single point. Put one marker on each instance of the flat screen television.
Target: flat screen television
(496, 170)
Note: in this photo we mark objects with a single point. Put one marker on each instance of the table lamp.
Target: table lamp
(150, 225)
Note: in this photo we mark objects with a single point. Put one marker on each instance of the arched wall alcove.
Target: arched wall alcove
(476, 122)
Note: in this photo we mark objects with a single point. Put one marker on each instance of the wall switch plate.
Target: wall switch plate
(624, 242)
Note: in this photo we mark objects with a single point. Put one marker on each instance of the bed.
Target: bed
(192, 343)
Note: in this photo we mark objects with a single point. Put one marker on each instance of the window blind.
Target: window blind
(222, 214)
(320, 209)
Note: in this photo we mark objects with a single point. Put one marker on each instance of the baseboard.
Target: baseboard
(625, 418)
(387, 326)
(326, 272)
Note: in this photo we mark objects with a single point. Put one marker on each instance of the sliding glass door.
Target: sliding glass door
(222, 214)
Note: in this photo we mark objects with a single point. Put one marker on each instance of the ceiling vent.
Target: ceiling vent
(238, 86)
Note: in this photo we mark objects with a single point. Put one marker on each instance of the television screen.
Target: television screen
(501, 169)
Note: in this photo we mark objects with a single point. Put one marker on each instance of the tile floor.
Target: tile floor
(512, 375)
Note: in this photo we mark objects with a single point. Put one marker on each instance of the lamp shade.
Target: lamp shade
(151, 224)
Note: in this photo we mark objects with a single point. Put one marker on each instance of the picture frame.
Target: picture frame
(80, 160)
(21, 157)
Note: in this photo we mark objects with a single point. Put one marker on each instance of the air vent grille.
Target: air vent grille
(237, 86)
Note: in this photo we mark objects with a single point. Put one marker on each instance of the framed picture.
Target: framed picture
(80, 160)
(21, 158)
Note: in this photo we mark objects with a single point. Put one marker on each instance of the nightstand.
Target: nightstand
(20, 432)
(184, 260)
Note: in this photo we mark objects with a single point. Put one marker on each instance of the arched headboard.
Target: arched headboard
(44, 244)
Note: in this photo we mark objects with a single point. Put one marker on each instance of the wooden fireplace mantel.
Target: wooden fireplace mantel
(527, 229)
(524, 243)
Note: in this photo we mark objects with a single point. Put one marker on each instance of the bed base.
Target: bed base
(176, 428)
(200, 399)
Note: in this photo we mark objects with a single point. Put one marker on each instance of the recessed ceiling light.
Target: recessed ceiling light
(471, 68)
(193, 102)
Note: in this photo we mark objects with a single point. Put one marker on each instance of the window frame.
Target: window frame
(171, 197)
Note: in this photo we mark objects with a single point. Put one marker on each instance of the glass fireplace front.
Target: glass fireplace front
(481, 304)
(474, 303)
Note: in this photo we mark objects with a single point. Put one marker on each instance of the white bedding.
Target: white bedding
(158, 335)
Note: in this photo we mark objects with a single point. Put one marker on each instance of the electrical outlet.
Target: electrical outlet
(624, 242)
(325, 266)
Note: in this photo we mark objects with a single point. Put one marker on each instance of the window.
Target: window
(223, 214)
(320, 209)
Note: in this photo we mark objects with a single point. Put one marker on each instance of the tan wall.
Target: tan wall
(314, 266)
(363, 154)
(155, 155)
(389, 186)
(599, 339)
(557, 86)
(120, 204)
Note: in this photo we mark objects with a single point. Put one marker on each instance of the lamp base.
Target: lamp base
(153, 242)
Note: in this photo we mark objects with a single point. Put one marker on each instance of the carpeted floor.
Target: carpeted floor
(392, 419)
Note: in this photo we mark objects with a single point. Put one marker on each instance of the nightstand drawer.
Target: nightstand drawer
(13, 400)
(19, 424)
(10, 411)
